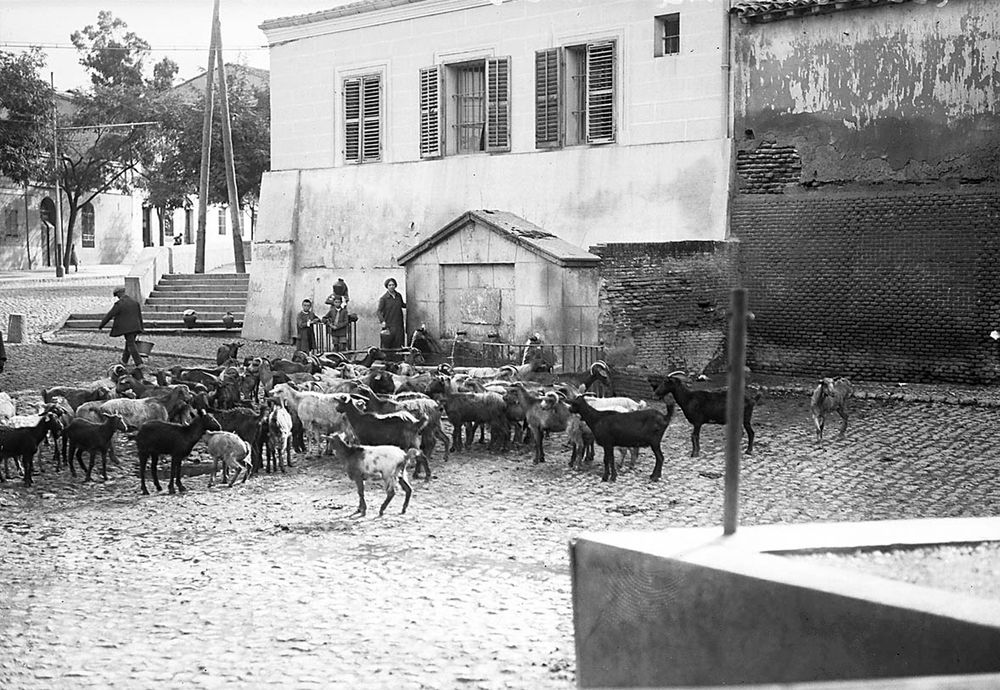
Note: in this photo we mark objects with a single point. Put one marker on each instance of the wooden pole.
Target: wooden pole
(55, 169)
(734, 408)
(227, 147)
(206, 151)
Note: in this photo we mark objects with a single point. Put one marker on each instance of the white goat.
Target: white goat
(831, 395)
(387, 463)
(317, 411)
(231, 450)
(279, 436)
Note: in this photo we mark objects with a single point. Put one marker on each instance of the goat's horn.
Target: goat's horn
(600, 365)
(680, 372)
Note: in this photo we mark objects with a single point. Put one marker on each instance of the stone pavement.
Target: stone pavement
(269, 584)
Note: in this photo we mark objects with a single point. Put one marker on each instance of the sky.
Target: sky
(179, 29)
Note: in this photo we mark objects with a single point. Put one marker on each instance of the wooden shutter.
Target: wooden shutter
(498, 104)
(371, 109)
(431, 145)
(548, 98)
(362, 119)
(352, 120)
(600, 92)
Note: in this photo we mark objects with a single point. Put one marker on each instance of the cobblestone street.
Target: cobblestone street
(269, 583)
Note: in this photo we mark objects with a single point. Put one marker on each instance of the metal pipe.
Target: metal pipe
(734, 408)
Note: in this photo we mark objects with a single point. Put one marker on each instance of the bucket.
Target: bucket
(145, 347)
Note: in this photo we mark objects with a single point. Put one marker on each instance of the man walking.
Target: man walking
(127, 315)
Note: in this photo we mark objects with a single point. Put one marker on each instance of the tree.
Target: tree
(25, 112)
(105, 150)
(112, 55)
(250, 114)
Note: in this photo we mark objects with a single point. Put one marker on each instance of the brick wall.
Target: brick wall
(885, 286)
(668, 300)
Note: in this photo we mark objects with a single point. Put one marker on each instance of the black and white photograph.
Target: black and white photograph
(499, 344)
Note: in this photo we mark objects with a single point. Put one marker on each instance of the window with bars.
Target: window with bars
(10, 226)
(222, 220)
(667, 34)
(87, 232)
(474, 97)
(363, 119)
(575, 95)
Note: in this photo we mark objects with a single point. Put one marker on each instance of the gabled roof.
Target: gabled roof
(516, 229)
(768, 10)
(195, 86)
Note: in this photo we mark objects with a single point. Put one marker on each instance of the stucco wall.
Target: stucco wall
(117, 236)
(670, 98)
(353, 221)
(890, 93)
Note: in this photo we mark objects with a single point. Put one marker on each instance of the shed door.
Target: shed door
(478, 299)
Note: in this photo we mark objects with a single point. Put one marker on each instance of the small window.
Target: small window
(667, 30)
(10, 222)
(87, 225)
(362, 119)
(222, 220)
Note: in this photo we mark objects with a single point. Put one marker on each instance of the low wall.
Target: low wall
(691, 607)
(667, 301)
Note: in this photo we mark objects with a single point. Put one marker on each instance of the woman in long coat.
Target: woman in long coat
(390, 314)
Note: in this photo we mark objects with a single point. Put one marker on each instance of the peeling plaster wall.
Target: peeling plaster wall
(898, 93)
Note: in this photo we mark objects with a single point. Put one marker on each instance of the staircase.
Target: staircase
(211, 295)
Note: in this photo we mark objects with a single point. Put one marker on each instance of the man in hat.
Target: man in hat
(127, 315)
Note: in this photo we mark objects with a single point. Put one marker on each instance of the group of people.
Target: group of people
(338, 319)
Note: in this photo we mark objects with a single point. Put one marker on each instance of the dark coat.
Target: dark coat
(127, 315)
(390, 311)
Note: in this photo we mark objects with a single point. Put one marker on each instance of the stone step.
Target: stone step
(150, 325)
(175, 314)
(180, 278)
(212, 289)
(196, 302)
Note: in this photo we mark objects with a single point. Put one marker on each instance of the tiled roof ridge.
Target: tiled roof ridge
(762, 8)
(359, 7)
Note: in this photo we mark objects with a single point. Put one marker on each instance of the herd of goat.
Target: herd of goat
(380, 418)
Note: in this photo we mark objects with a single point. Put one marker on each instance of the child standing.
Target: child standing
(303, 327)
(336, 322)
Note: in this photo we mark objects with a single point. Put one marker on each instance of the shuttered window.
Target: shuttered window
(498, 104)
(363, 119)
(600, 92)
(548, 98)
(430, 112)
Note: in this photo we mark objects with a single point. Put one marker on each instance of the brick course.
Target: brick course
(883, 286)
(668, 300)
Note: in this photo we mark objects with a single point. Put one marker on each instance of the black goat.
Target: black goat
(156, 438)
(706, 407)
(472, 408)
(22, 442)
(625, 430)
(227, 352)
(89, 436)
(391, 430)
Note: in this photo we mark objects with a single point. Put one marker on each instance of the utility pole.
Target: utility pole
(227, 146)
(206, 150)
(55, 170)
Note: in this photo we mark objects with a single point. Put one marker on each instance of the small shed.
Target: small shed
(495, 274)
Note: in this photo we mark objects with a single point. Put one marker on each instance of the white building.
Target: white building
(599, 121)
